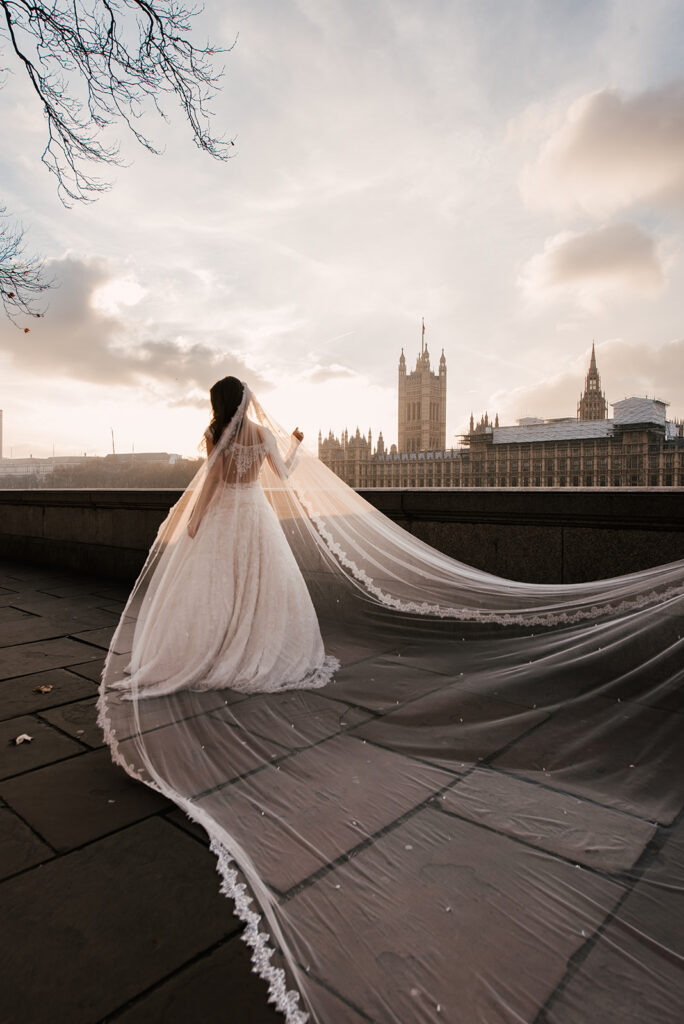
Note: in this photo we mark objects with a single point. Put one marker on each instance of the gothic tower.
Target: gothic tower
(592, 404)
(422, 404)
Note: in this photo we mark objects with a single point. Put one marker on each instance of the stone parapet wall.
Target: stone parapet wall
(545, 536)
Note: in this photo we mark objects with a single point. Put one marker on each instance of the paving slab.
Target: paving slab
(20, 847)
(324, 1004)
(110, 591)
(352, 648)
(89, 669)
(109, 605)
(34, 627)
(44, 655)
(635, 972)
(380, 685)
(181, 820)
(625, 755)
(78, 719)
(294, 719)
(8, 595)
(97, 637)
(623, 981)
(77, 801)
(425, 727)
(47, 745)
(206, 740)
(18, 696)
(217, 987)
(89, 931)
(296, 837)
(583, 832)
(10, 614)
(484, 905)
(72, 612)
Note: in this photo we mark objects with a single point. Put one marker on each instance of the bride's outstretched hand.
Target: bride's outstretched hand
(298, 434)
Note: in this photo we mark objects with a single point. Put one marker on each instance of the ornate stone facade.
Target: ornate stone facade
(638, 447)
(422, 403)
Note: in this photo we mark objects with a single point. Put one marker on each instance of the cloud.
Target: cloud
(627, 368)
(588, 265)
(321, 374)
(612, 151)
(86, 339)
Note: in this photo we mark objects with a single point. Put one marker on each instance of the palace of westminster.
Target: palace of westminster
(638, 447)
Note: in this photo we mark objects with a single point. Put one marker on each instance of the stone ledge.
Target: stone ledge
(533, 535)
(608, 508)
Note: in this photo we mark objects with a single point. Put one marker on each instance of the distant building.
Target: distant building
(46, 467)
(638, 447)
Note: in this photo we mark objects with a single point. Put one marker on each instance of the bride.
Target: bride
(211, 605)
(475, 817)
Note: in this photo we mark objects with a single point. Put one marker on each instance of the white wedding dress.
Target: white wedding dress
(230, 608)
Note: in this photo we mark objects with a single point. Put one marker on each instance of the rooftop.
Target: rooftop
(89, 857)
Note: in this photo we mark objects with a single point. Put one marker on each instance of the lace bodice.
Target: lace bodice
(248, 455)
(242, 460)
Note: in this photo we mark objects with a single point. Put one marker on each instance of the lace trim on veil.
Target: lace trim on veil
(476, 614)
(285, 1000)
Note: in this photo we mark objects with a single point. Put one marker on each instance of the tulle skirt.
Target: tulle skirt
(229, 608)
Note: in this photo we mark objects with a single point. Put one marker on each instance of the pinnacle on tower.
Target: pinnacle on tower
(592, 404)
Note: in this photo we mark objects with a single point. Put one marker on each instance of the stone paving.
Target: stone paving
(109, 898)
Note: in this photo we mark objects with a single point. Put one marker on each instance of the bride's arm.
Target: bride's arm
(211, 481)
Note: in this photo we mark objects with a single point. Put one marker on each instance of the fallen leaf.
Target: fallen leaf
(44, 688)
(24, 738)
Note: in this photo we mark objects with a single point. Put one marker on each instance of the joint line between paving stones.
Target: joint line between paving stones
(338, 995)
(35, 831)
(520, 777)
(115, 1014)
(24, 611)
(528, 844)
(636, 874)
(280, 759)
(48, 764)
(367, 841)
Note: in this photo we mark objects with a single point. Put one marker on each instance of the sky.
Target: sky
(511, 171)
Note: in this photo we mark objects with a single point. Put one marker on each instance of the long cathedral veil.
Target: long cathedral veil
(476, 818)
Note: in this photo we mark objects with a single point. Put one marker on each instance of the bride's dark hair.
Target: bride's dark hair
(226, 395)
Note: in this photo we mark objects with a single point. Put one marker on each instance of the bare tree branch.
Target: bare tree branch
(93, 64)
(118, 55)
(22, 278)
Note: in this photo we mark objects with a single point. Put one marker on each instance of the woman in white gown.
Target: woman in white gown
(228, 606)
